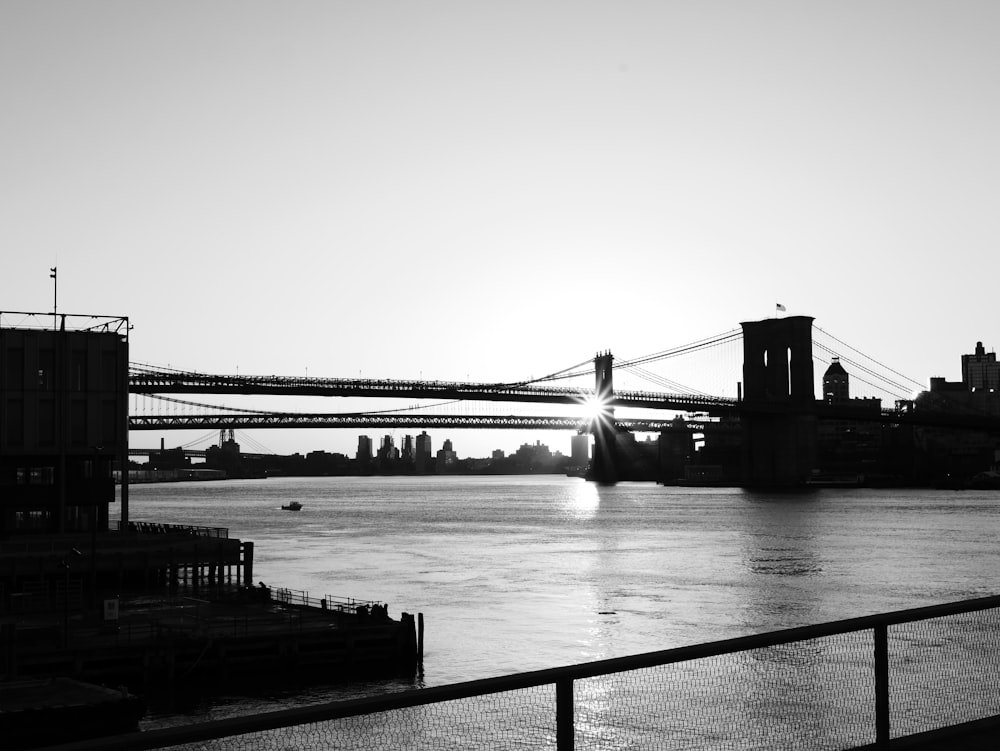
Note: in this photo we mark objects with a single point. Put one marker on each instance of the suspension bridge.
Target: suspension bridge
(775, 397)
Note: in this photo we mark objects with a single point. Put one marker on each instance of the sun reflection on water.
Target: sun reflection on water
(582, 501)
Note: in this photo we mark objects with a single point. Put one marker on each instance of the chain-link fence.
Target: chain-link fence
(838, 685)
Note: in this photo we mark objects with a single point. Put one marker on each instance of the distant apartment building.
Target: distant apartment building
(981, 370)
(978, 392)
(847, 446)
(951, 456)
(447, 459)
(533, 457)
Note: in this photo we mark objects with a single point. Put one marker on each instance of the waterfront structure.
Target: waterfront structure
(68, 583)
(63, 423)
(63, 427)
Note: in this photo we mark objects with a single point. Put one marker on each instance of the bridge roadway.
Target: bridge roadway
(146, 381)
(321, 420)
(156, 382)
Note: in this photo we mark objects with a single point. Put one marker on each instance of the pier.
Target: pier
(187, 604)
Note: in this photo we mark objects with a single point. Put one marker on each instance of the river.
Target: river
(527, 572)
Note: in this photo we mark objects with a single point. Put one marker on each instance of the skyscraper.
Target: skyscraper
(364, 449)
(422, 459)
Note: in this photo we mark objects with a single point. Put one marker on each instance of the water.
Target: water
(528, 572)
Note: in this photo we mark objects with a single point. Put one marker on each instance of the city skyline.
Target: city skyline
(461, 192)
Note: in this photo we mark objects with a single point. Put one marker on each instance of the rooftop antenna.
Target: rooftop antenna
(55, 296)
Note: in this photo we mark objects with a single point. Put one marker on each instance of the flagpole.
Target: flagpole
(55, 297)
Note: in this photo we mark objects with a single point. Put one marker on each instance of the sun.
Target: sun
(593, 407)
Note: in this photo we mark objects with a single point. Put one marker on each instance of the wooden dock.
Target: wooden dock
(241, 635)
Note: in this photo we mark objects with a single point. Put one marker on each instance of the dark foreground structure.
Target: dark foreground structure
(926, 678)
(143, 605)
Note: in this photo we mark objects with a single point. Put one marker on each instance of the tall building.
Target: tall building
(364, 449)
(388, 451)
(980, 370)
(63, 423)
(422, 459)
(580, 450)
(408, 450)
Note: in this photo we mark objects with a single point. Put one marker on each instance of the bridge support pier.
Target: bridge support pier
(779, 411)
(604, 463)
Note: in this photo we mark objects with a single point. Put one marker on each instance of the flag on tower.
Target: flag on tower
(779, 306)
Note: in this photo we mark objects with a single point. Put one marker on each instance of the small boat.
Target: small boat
(293, 506)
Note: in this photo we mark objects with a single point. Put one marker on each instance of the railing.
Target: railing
(847, 684)
(13, 319)
(302, 599)
(154, 528)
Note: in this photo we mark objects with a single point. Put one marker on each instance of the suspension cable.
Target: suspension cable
(713, 341)
(881, 365)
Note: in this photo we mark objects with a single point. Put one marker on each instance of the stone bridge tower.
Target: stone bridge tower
(604, 465)
(779, 403)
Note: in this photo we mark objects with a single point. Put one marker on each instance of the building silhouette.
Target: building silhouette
(364, 453)
(64, 412)
(447, 459)
(423, 461)
(848, 449)
(980, 370)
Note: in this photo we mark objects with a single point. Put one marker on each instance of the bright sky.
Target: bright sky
(488, 191)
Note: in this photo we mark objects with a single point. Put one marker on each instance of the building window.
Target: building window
(15, 369)
(15, 422)
(46, 369)
(109, 370)
(46, 422)
(109, 423)
(78, 423)
(43, 475)
(31, 521)
(78, 370)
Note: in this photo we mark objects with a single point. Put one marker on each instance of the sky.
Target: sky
(493, 191)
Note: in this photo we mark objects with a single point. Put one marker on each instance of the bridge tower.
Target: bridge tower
(779, 403)
(604, 465)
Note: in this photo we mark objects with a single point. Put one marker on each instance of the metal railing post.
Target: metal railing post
(565, 731)
(881, 632)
